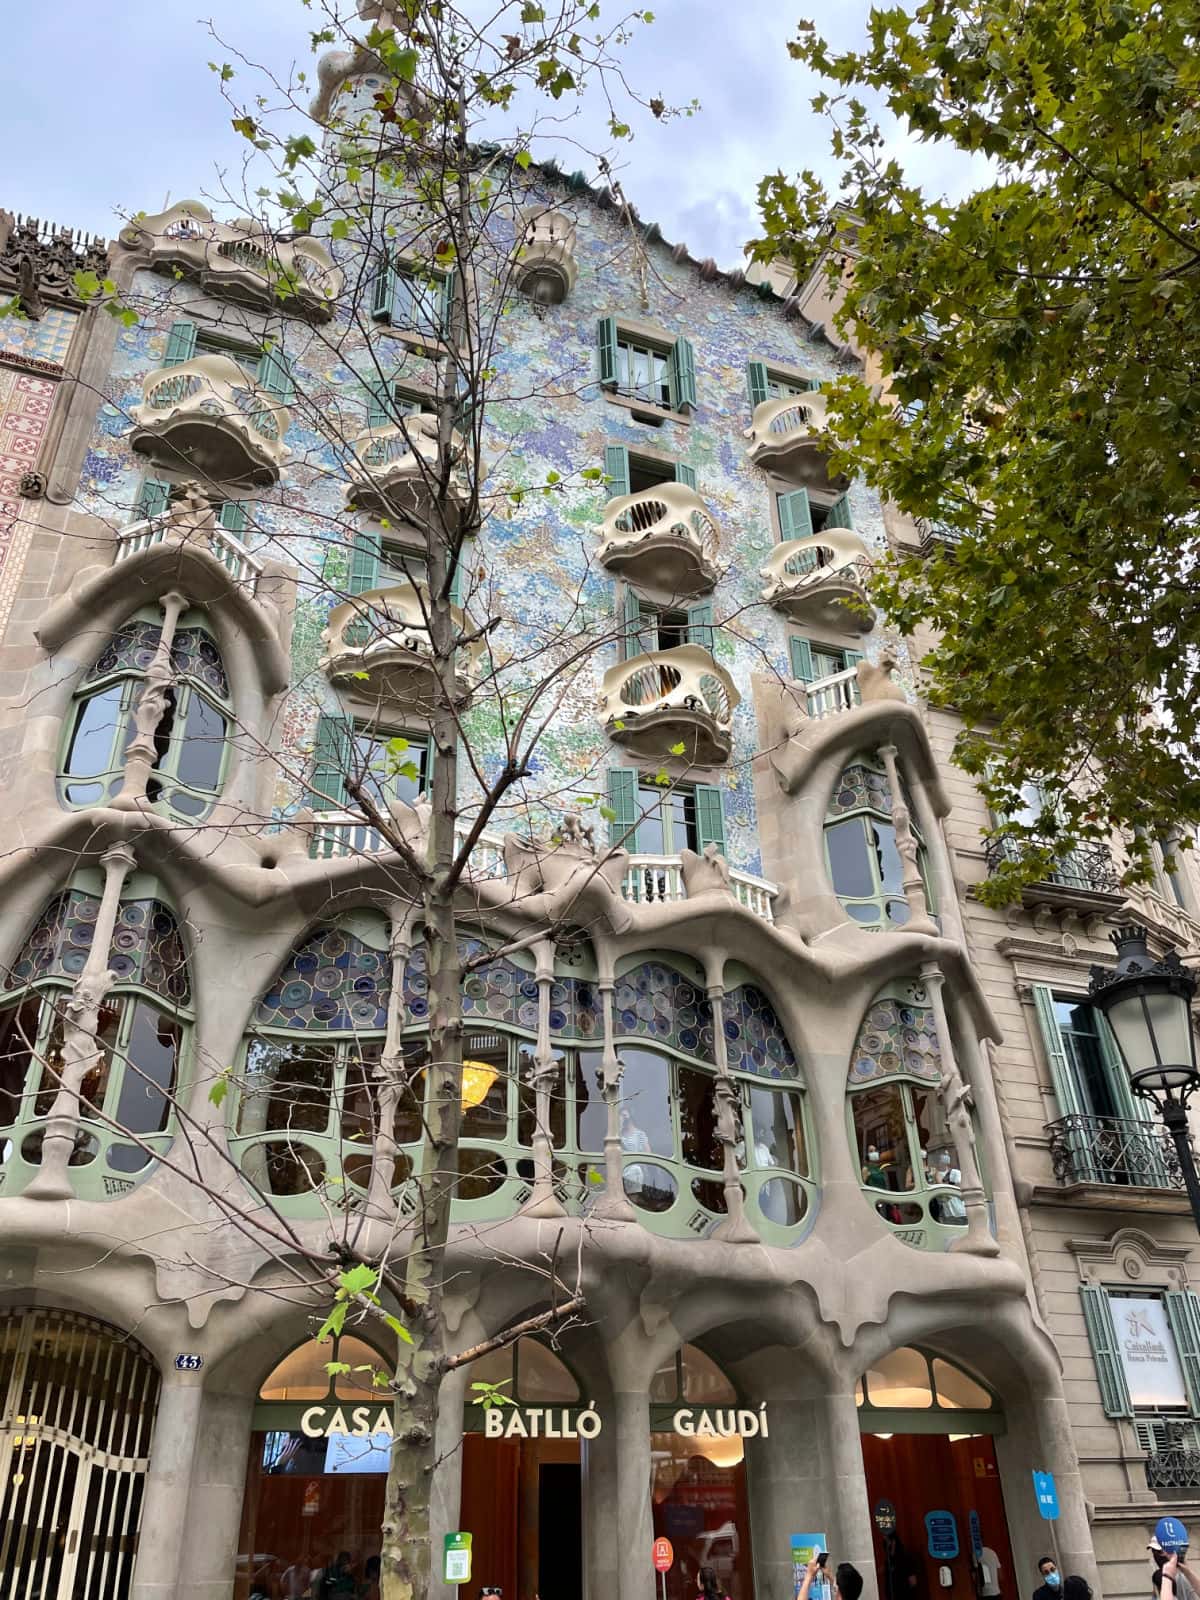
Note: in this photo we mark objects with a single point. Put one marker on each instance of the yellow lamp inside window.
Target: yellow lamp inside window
(477, 1080)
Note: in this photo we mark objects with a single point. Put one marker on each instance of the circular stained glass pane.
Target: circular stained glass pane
(649, 1187)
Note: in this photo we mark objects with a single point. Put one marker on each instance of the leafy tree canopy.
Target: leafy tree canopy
(1039, 344)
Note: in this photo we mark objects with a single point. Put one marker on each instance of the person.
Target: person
(847, 1580)
(370, 1588)
(297, 1580)
(339, 1579)
(1051, 1581)
(1166, 1578)
(951, 1207)
(1186, 1579)
(989, 1574)
(901, 1579)
(707, 1587)
(1076, 1588)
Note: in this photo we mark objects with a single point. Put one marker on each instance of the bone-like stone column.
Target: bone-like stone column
(614, 1205)
(956, 1099)
(80, 1052)
(733, 1228)
(543, 1202)
(140, 754)
(919, 920)
(168, 1487)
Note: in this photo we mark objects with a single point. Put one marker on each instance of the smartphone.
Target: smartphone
(822, 1557)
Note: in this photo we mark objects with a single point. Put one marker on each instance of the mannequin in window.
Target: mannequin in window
(635, 1140)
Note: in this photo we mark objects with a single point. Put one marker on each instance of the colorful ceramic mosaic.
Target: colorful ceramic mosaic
(754, 1037)
(46, 339)
(333, 982)
(194, 655)
(131, 649)
(656, 1002)
(861, 788)
(147, 947)
(897, 1038)
(26, 402)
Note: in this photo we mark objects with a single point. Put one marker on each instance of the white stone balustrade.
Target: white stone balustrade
(838, 692)
(241, 260)
(658, 880)
(544, 259)
(821, 579)
(336, 834)
(780, 427)
(663, 537)
(211, 414)
(384, 635)
(655, 701)
(241, 566)
(393, 470)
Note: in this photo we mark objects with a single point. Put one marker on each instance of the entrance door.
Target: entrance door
(560, 1531)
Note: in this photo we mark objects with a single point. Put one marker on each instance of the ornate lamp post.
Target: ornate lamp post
(1148, 1006)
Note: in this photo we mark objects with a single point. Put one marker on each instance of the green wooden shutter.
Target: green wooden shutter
(1183, 1313)
(700, 625)
(1102, 1336)
(181, 344)
(802, 661)
(456, 577)
(795, 518)
(710, 816)
(623, 803)
(1132, 1108)
(809, 385)
(681, 374)
(331, 760)
(232, 516)
(756, 382)
(616, 468)
(606, 338)
(364, 562)
(381, 292)
(154, 498)
(275, 374)
(446, 303)
(1065, 1087)
(685, 474)
(852, 657)
(631, 625)
(838, 515)
(379, 405)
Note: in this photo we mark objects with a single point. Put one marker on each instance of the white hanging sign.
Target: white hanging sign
(1147, 1350)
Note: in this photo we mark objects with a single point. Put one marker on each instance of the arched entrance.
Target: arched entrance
(77, 1406)
(933, 1480)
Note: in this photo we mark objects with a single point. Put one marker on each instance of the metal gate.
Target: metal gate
(77, 1403)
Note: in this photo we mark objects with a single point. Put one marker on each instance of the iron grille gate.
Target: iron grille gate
(77, 1404)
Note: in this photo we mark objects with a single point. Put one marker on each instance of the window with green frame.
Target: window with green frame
(860, 847)
(266, 362)
(800, 514)
(813, 662)
(391, 763)
(661, 375)
(764, 383)
(154, 500)
(191, 741)
(647, 626)
(627, 473)
(414, 299)
(127, 1098)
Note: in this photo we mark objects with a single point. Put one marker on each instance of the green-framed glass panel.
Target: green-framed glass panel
(861, 854)
(915, 1390)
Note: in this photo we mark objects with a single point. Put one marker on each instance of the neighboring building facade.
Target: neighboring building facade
(879, 1323)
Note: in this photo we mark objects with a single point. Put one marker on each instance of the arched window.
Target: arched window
(190, 741)
(860, 847)
(897, 1123)
(909, 1379)
(142, 1027)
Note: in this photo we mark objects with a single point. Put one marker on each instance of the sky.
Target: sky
(108, 109)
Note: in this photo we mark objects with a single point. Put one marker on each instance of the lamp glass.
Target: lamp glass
(1172, 1023)
(1128, 1022)
(477, 1080)
(1152, 1030)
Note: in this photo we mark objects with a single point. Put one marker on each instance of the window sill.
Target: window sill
(1112, 1197)
(652, 413)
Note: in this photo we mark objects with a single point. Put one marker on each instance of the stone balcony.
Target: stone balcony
(661, 538)
(378, 643)
(544, 260)
(393, 471)
(658, 880)
(821, 581)
(783, 432)
(839, 692)
(210, 415)
(239, 260)
(665, 698)
(217, 541)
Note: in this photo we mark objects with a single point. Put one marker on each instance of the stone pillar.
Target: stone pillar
(635, 1525)
(919, 920)
(543, 1202)
(158, 1566)
(445, 1493)
(601, 1536)
(1039, 1438)
(734, 1228)
(850, 1518)
(947, 906)
(140, 753)
(213, 1514)
(956, 1099)
(614, 1204)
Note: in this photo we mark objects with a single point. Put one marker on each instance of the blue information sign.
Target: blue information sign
(1171, 1534)
(941, 1533)
(976, 1535)
(1047, 1495)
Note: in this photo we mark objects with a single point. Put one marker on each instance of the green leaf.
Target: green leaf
(678, 749)
(397, 1328)
(522, 159)
(220, 1088)
(357, 1279)
(532, 13)
(246, 126)
(339, 228)
(608, 814)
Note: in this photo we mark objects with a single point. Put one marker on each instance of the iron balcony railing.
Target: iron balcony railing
(1112, 1150)
(1087, 868)
(1172, 1446)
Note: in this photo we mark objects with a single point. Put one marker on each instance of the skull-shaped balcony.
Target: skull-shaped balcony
(239, 260)
(661, 538)
(655, 702)
(210, 416)
(544, 260)
(821, 581)
(395, 471)
(784, 436)
(378, 644)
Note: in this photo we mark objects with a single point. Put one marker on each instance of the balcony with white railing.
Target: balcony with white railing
(211, 537)
(821, 581)
(544, 259)
(335, 835)
(394, 471)
(378, 643)
(663, 538)
(239, 260)
(658, 880)
(782, 430)
(210, 414)
(838, 692)
(665, 698)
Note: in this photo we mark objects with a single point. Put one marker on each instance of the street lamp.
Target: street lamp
(1148, 1006)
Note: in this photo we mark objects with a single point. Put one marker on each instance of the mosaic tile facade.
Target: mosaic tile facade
(45, 340)
(26, 402)
(147, 947)
(897, 1038)
(332, 982)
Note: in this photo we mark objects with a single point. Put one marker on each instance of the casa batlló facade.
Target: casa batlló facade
(954, 1249)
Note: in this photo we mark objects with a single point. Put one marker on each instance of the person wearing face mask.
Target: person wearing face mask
(1186, 1584)
(1050, 1588)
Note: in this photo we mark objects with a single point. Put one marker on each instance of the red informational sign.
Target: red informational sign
(664, 1555)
